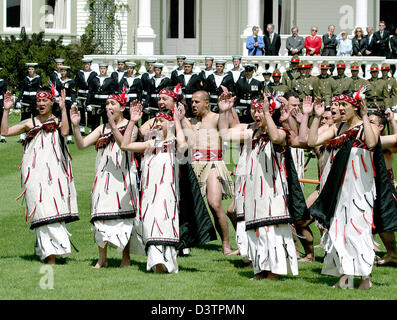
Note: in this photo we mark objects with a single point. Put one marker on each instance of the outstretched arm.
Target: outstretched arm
(19, 128)
(89, 140)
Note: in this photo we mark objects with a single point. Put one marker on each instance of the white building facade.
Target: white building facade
(190, 27)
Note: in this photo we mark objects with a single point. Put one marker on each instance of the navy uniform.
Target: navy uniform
(357, 81)
(120, 72)
(132, 86)
(377, 93)
(178, 70)
(158, 82)
(215, 81)
(305, 85)
(342, 82)
(26, 99)
(56, 74)
(292, 73)
(208, 70)
(67, 84)
(146, 79)
(98, 91)
(82, 79)
(247, 88)
(326, 83)
(391, 85)
(3, 90)
(267, 82)
(237, 69)
(190, 83)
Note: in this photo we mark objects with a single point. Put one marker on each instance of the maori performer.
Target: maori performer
(358, 198)
(172, 212)
(115, 195)
(46, 173)
(272, 195)
(205, 142)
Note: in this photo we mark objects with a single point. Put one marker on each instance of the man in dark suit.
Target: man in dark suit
(329, 45)
(381, 41)
(369, 41)
(272, 41)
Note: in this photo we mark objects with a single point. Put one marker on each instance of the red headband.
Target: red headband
(341, 66)
(164, 115)
(44, 94)
(343, 97)
(118, 98)
(175, 94)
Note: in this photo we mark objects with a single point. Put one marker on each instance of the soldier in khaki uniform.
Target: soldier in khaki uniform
(305, 84)
(357, 81)
(277, 86)
(342, 82)
(292, 73)
(391, 84)
(325, 83)
(377, 93)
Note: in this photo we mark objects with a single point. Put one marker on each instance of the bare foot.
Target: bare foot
(388, 260)
(226, 249)
(272, 276)
(365, 283)
(260, 276)
(159, 268)
(233, 253)
(125, 263)
(307, 259)
(100, 264)
(50, 259)
(345, 282)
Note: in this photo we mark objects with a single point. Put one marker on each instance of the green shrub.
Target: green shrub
(14, 53)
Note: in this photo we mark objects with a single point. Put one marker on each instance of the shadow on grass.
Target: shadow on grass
(34, 258)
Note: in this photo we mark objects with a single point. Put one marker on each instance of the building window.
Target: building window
(18, 13)
(56, 14)
(181, 13)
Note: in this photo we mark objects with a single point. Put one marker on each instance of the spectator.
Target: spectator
(295, 43)
(255, 44)
(381, 41)
(272, 41)
(369, 41)
(344, 45)
(313, 43)
(358, 42)
(393, 45)
(330, 43)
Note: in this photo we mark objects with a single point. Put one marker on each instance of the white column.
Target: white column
(145, 33)
(253, 19)
(361, 13)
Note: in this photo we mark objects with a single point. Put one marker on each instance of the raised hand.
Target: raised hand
(285, 113)
(307, 105)
(8, 102)
(62, 99)
(389, 114)
(179, 111)
(319, 107)
(266, 104)
(135, 111)
(363, 107)
(226, 100)
(75, 116)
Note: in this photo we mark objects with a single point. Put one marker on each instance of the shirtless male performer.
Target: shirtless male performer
(207, 161)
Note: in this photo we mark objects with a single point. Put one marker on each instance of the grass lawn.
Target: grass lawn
(205, 274)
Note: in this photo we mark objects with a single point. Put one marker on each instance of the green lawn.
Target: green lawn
(205, 274)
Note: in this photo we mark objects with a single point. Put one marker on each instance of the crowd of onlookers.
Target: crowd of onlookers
(379, 43)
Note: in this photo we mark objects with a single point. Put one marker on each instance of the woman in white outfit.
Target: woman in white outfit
(46, 175)
(349, 250)
(115, 195)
